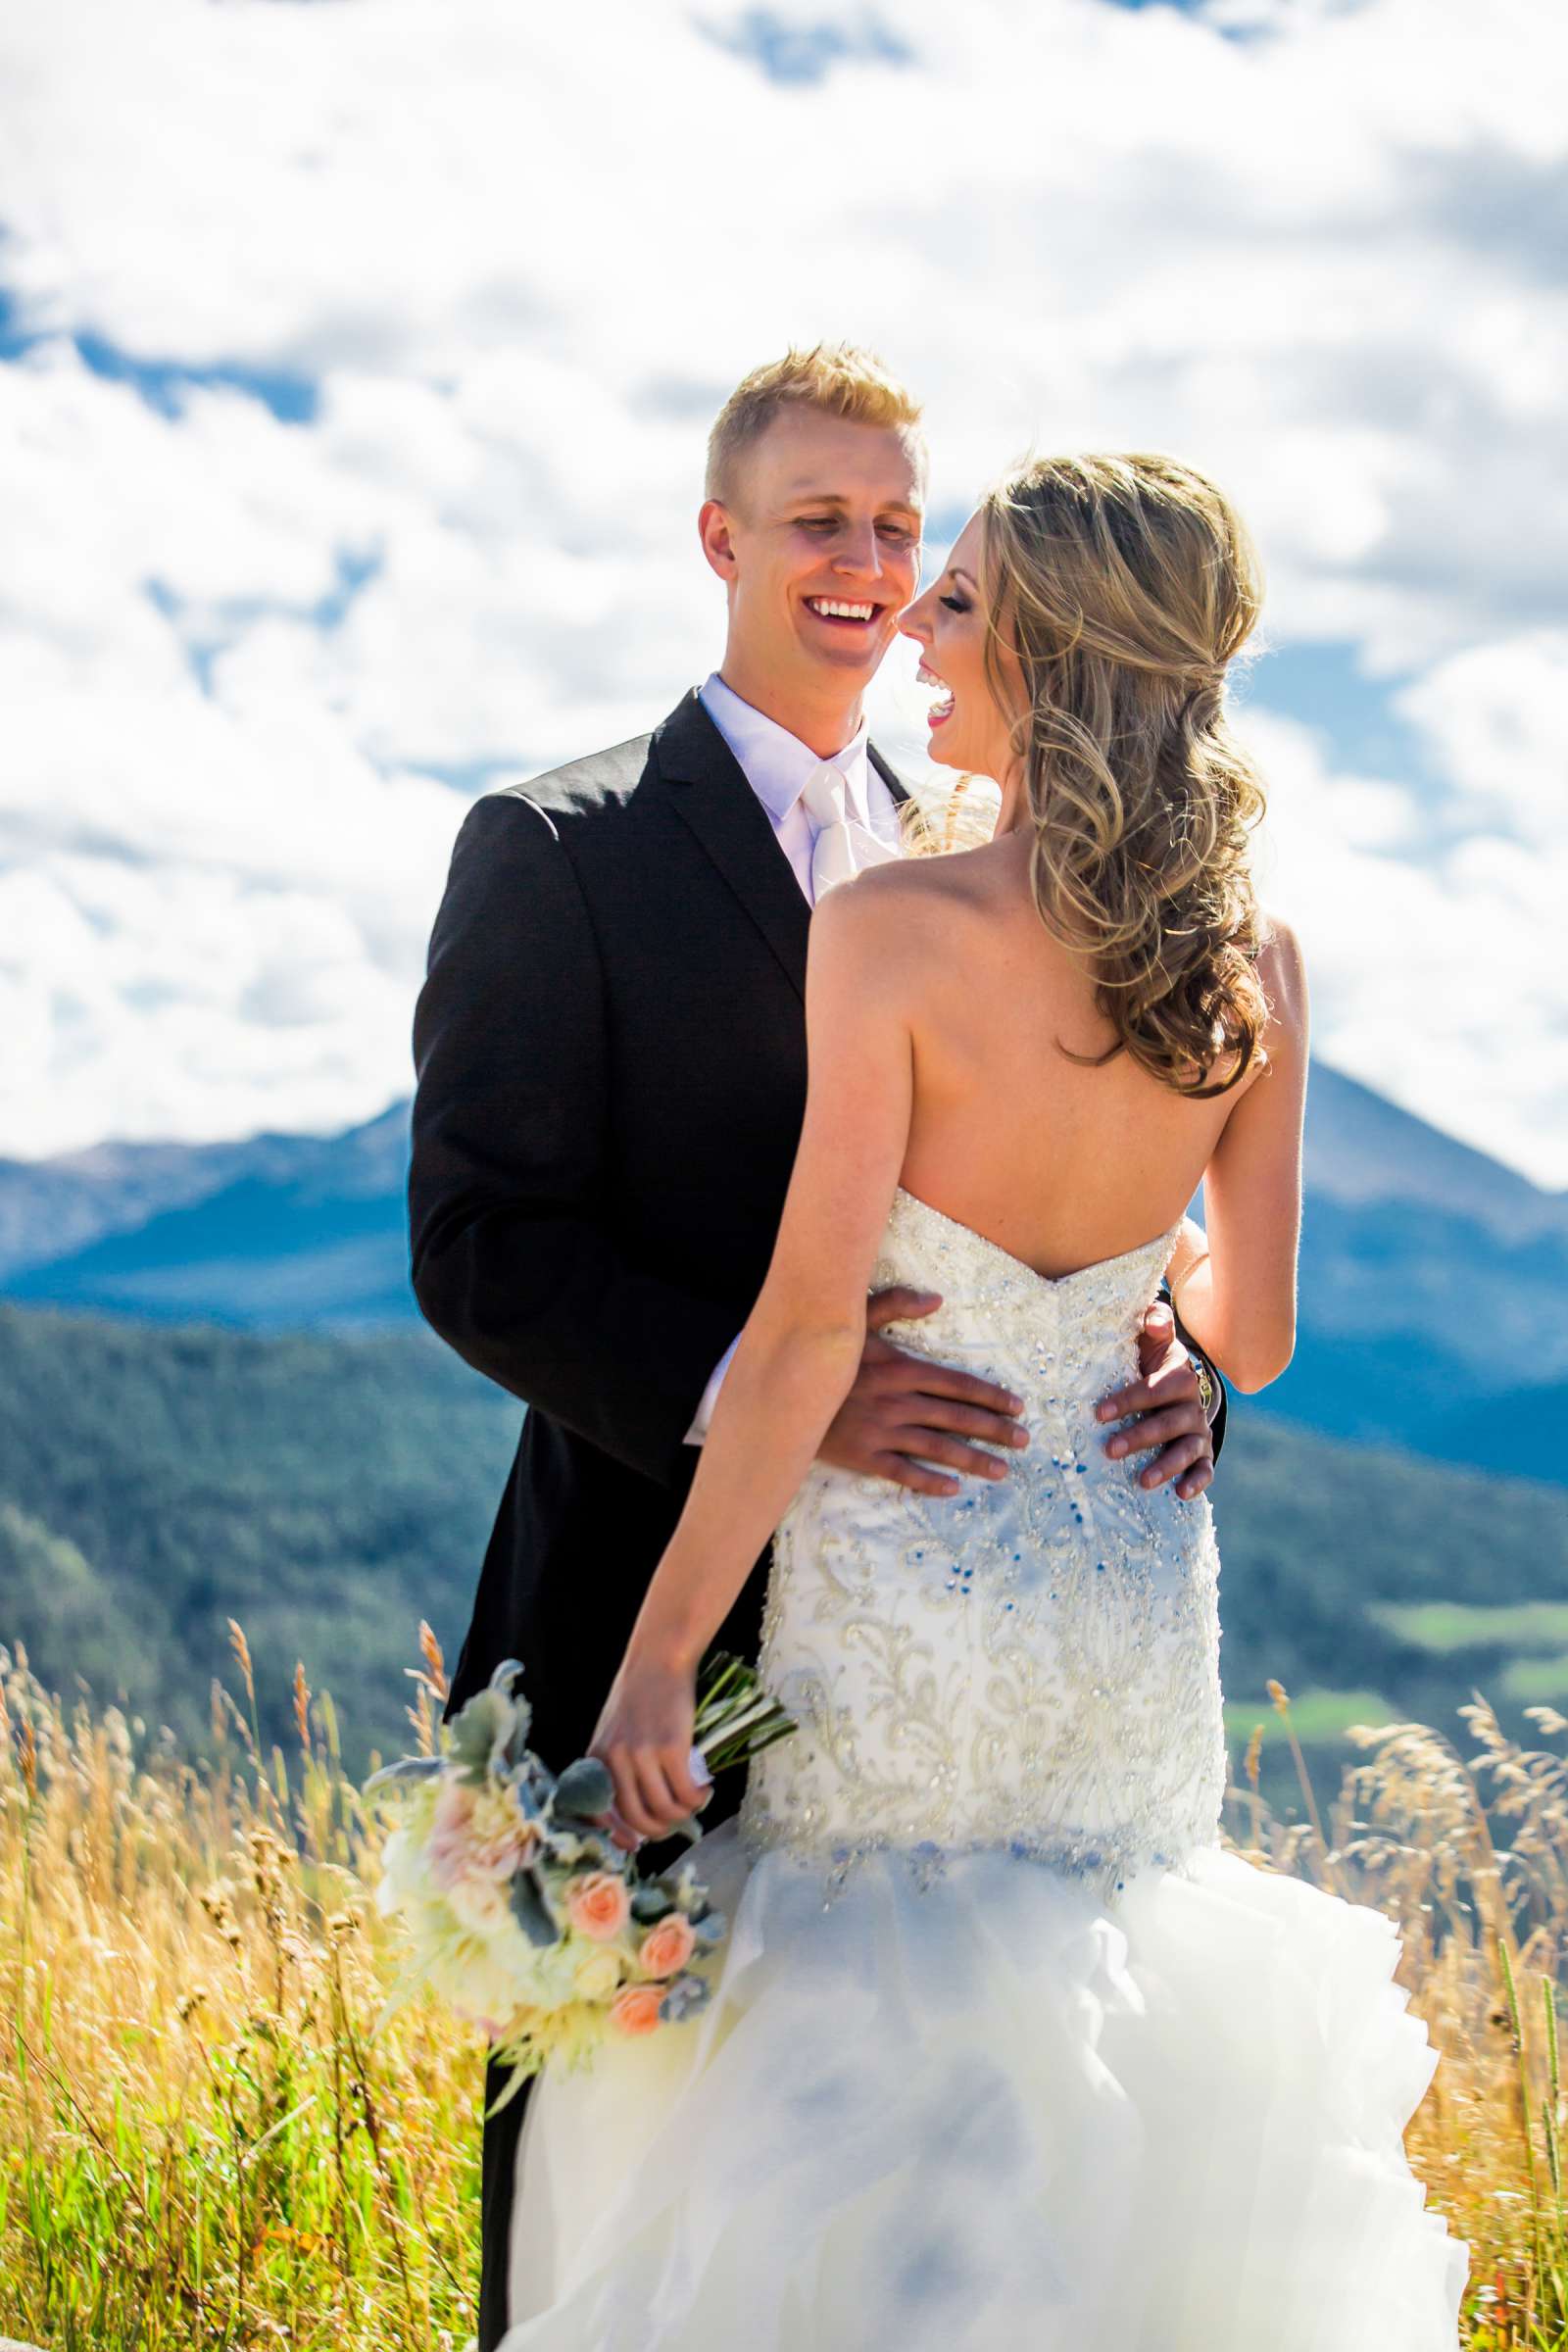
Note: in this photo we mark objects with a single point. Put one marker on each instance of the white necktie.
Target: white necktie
(842, 847)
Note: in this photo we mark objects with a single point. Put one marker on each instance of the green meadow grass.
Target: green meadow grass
(1535, 1682)
(1444, 1625)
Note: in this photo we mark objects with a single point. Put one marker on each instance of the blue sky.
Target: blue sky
(354, 364)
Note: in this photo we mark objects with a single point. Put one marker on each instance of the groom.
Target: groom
(611, 1050)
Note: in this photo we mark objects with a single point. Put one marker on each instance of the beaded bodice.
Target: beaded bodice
(1031, 1664)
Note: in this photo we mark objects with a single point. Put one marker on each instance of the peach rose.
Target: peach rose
(669, 1946)
(598, 1905)
(635, 2008)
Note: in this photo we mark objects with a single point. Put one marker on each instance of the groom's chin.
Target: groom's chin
(846, 658)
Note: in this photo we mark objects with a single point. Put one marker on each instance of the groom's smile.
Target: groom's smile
(831, 608)
(860, 623)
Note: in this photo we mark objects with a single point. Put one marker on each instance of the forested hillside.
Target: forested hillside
(330, 1493)
(156, 1483)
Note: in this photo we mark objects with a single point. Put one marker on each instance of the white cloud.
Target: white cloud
(1496, 717)
(520, 267)
(1436, 971)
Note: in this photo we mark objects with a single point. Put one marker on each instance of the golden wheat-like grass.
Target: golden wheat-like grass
(201, 2143)
(1468, 1854)
(204, 2144)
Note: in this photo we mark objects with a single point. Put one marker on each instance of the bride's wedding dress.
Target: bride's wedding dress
(1005, 2050)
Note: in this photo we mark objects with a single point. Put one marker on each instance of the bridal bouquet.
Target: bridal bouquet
(520, 1910)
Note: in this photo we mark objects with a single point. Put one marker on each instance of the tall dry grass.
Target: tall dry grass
(1468, 1854)
(203, 2145)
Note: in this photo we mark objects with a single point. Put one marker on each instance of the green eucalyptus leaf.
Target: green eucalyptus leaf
(479, 1731)
(585, 1788)
(531, 1912)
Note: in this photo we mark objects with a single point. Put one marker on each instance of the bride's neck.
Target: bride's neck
(1014, 812)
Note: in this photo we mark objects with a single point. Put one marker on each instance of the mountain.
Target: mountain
(1433, 1292)
(283, 1230)
(1414, 1322)
(1519, 1430)
(329, 1492)
(53, 1210)
(1362, 1150)
(1434, 1279)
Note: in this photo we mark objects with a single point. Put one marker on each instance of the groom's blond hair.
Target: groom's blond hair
(840, 378)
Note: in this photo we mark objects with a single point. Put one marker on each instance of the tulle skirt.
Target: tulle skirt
(990, 2112)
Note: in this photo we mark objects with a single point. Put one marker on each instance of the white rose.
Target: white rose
(479, 1905)
(598, 1977)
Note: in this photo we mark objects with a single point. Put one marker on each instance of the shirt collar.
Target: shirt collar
(778, 764)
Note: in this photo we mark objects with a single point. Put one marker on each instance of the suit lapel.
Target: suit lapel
(709, 792)
(712, 795)
(894, 784)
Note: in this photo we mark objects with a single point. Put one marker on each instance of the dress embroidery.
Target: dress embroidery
(1031, 1665)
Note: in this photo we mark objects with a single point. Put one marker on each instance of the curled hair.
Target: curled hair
(838, 378)
(1122, 587)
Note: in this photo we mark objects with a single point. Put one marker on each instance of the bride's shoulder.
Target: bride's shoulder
(905, 897)
(878, 937)
(1281, 967)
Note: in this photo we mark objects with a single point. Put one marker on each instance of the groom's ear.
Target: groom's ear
(718, 544)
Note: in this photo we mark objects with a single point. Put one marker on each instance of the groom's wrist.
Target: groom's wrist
(1208, 1389)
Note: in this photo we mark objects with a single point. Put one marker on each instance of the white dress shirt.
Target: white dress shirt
(778, 766)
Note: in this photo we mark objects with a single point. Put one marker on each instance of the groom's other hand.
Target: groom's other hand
(906, 1414)
(1171, 1414)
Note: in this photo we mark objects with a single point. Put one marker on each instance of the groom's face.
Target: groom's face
(819, 544)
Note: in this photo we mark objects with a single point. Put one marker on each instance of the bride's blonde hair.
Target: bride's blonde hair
(1123, 586)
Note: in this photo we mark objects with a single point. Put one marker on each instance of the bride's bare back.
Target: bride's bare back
(1065, 1163)
(1062, 1163)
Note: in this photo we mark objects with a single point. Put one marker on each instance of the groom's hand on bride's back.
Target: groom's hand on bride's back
(1170, 1411)
(918, 1423)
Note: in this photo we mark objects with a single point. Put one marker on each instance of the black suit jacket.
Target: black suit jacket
(611, 1049)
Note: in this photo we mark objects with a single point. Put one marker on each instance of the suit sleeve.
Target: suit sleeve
(515, 1262)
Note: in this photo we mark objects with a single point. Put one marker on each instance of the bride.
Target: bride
(1005, 2048)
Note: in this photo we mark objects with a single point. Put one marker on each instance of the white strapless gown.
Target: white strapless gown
(1005, 2050)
